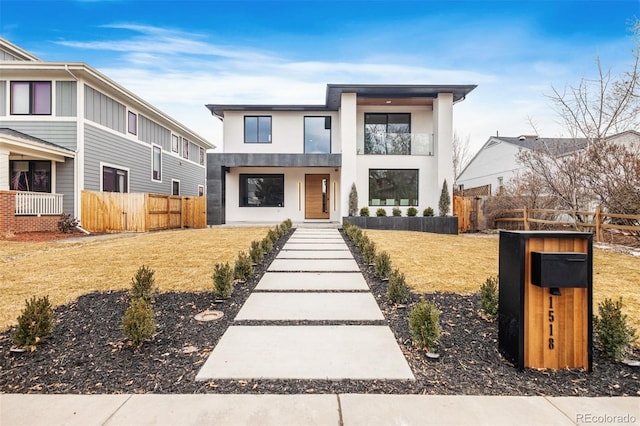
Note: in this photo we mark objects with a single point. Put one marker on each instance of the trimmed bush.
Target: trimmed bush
(35, 323)
(612, 333)
(412, 211)
(353, 200)
(272, 234)
(222, 280)
(364, 211)
(381, 212)
(143, 284)
(396, 211)
(424, 325)
(67, 223)
(243, 269)
(382, 265)
(288, 223)
(256, 253)
(445, 201)
(267, 245)
(138, 322)
(398, 291)
(427, 212)
(369, 252)
(489, 298)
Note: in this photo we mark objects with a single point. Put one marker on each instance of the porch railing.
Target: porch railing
(38, 204)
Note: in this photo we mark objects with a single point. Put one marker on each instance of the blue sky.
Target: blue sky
(181, 55)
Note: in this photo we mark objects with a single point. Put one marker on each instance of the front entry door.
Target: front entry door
(316, 198)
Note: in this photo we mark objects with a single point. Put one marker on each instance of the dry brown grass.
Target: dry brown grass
(182, 260)
(461, 263)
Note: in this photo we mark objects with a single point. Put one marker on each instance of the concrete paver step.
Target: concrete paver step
(314, 265)
(314, 254)
(315, 246)
(310, 306)
(312, 281)
(306, 352)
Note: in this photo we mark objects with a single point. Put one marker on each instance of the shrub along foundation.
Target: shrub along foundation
(433, 224)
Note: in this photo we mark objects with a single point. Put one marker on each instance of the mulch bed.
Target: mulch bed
(87, 353)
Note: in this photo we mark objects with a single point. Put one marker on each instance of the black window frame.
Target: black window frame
(404, 150)
(258, 139)
(32, 94)
(327, 126)
(243, 195)
(32, 181)
(115, 183)
(397, 196)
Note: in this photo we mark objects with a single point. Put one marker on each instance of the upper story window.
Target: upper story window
(185, 148)
(201, 150)
(175, 143)
(133, 123)
(156, 161)
(317, 135)
(387, 134)
(257, 129)
(31, 98)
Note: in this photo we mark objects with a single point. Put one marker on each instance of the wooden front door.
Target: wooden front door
(316, 199)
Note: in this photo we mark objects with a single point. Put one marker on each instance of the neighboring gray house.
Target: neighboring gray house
(496, 162)
(65, 128)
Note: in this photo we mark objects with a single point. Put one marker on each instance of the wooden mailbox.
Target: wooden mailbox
(545, 299)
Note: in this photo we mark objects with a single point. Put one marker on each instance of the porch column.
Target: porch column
(443, 135)
(4, 169)
(348, 135)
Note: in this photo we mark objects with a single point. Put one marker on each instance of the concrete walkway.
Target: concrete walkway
(314, 278)
(314, 292)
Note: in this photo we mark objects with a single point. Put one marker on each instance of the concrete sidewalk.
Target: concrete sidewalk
(300, 410)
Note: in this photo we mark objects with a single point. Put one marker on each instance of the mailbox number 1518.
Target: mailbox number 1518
(551, 320)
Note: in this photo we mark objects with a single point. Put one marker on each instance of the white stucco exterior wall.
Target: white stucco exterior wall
(443, 140)
(348, 137)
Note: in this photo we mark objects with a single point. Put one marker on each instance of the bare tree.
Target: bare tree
(461, 154)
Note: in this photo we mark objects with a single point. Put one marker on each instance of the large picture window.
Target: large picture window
(257, 129)
(261, 190)
(34, 176)
(115, 180)
(31, 97)
(387, 134)
(393, 187)
(317, 135)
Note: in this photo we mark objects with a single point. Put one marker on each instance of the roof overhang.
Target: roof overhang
(219, 110)
(17, 143)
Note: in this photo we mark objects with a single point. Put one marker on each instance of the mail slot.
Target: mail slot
(559, 269)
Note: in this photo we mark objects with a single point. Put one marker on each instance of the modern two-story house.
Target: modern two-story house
(394, 142)
(65, 128)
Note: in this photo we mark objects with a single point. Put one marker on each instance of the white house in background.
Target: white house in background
(300, 161)
(65, 127)
(496, 162)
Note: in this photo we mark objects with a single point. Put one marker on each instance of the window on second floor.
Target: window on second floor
(185, 148)
(387, 134)
(31, 98)
(317, 135)
(175, 143)
(257, 129)
(202, 156)
(133, 123)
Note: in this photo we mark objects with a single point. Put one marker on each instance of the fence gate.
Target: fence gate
(470, 213)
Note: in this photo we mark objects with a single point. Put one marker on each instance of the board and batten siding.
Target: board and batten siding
(104, 110)
(3, 98)
(151, 132)
(105, 147)
(61, 133)
(65, 185)
(66, 99)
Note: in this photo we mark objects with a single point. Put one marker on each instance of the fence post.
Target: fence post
(597, 218)
(525, 218)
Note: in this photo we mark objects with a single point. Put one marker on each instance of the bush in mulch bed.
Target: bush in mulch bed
(87, 354)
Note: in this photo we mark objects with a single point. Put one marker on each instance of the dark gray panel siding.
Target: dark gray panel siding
(60, 133)
(101, 146)
(3, 98)
(103, 110)
(151, 132)
(66, 99)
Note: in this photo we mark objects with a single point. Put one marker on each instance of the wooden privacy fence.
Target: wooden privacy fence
(596, 221)
(140, 212)
(470, 213)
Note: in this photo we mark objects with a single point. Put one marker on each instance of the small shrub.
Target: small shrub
(282, 230)
(143, 284)
(412, 211)
(398, 291)
(256, 253)
(362, 240)
(267, 245)
(427, 212)
(288, 223)
(382, 265)
(364, 211)
(272, 234)
(67, 223)
(445, 201)
(489, 297)
(243, 269)
(222, 280)
(424, 325)
(612, 333)
(35, 323)
(353, 200)
(396, 211)
(369, 252)
(355, 233)
(138, 322)
(381, 212)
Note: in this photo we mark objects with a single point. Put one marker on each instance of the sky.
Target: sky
(181, 55)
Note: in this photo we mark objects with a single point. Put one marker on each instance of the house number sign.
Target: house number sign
(552, 319)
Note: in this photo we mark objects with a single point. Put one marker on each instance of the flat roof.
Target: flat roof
(334, 93)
